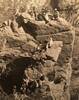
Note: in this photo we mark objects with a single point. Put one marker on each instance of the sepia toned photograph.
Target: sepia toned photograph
(39, 49)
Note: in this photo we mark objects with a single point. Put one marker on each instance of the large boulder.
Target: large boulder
(59, 30)
(55, 69)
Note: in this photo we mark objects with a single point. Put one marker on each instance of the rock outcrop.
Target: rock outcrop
(39, 74)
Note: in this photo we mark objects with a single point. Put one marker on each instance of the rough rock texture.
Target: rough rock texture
(49, 70)
(65, 57)
(50, 79)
